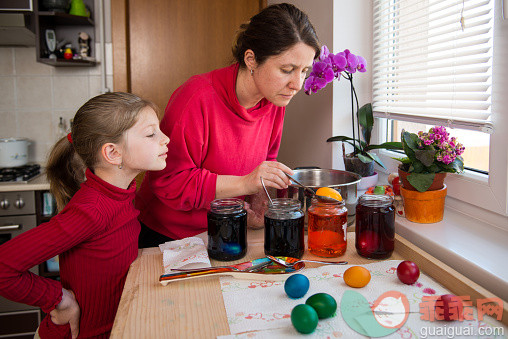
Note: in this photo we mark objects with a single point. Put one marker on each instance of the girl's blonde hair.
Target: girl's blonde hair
(101, 120)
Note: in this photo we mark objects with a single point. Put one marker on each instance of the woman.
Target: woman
(225, 127)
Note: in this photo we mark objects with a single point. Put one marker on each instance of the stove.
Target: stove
(19, 175)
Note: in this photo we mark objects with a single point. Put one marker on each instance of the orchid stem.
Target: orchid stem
(357, 117)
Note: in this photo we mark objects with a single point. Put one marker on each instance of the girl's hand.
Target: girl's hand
(67, 312)
(273, 174)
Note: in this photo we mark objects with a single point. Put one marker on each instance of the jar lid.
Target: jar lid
(226, 206)
(284, 204)
(375, 200)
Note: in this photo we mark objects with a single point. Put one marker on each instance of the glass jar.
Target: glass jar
(227, 229)
(284, 228)
(326, 227)
(375, 226)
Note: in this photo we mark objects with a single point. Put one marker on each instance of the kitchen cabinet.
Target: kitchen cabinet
(67, 28)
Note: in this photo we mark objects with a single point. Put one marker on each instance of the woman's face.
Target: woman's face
(281, 76)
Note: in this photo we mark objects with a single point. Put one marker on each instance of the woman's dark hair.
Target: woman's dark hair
(272, 31)
(100, 120)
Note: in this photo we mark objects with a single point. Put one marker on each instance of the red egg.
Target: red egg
(408, 272)
(448, 307)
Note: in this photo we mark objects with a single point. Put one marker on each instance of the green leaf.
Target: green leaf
(386, 145)
(364, 158)
(404, 160)
(376, 159)
(417, 167)
(411, 140)
(366, 120)
(339, 138)
(421, 181)
(425, 156)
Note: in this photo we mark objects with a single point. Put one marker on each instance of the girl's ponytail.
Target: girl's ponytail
(65, 171)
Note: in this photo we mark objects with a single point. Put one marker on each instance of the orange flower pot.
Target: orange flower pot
(424, 207)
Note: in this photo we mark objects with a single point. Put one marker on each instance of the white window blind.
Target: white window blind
(432, 61)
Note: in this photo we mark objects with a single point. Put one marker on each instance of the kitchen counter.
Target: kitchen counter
(40, 183)
(195, 308)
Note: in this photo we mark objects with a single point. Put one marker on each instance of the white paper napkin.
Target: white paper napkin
(188, 252)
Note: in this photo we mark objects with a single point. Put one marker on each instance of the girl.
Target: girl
(114, 137)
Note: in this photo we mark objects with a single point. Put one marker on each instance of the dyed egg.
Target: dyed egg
(296, 286)
(232, 248)
(304, 318)
(356, 276)
(324, 305)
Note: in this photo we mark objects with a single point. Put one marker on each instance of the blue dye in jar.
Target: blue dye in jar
(227, 230)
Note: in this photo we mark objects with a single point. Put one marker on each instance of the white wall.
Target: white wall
(352, 29)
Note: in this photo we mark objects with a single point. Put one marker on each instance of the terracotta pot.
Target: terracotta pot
(424, 207)
(437, 184)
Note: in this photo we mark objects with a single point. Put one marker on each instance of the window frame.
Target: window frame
(489, 192)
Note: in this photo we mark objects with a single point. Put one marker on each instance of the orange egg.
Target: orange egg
(329, 192)
(357, 276)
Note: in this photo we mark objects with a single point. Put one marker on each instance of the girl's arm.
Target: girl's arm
(18, 255)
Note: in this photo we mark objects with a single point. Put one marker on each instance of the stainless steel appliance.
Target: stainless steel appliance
(21, 174)
(343, 181)
(17, 215)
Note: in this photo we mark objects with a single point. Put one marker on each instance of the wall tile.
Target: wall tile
(36, 126)
(72, 71)
(25, 62)
(8, 125)
(7, 98)
(33, 92)
(6, 61)
(70, 92)
(95, 86)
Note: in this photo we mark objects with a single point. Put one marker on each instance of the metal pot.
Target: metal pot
(13, 152)
(343, 181)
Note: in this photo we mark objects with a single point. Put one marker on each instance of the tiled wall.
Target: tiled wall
(33, 96)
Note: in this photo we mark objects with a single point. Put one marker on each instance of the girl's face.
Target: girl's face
(281, 76)
(145, 147)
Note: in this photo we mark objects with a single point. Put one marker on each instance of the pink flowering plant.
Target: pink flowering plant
(428, 153)
(329, 67)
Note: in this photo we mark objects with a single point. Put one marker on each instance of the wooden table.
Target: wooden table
(195, 308)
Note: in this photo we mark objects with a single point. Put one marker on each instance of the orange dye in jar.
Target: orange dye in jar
(327, 225)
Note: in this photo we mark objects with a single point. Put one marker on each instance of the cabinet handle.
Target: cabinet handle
(4, 204)
(10, 227)
(20, 203)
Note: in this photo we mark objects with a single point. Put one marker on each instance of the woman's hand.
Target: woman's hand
(273, 174)
(67, 312)
(256, 206)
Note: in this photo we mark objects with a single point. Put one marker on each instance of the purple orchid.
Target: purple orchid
(314, 84)
(322, 70)
(331, 66)
(324, 53)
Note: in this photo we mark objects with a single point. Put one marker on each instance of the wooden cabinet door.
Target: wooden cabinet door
(159, 44)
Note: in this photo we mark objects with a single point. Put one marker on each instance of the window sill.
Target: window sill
(473, 247)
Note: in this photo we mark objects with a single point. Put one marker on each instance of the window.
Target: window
(441, 63)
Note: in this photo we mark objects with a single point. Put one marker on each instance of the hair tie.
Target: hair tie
(69, 137)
